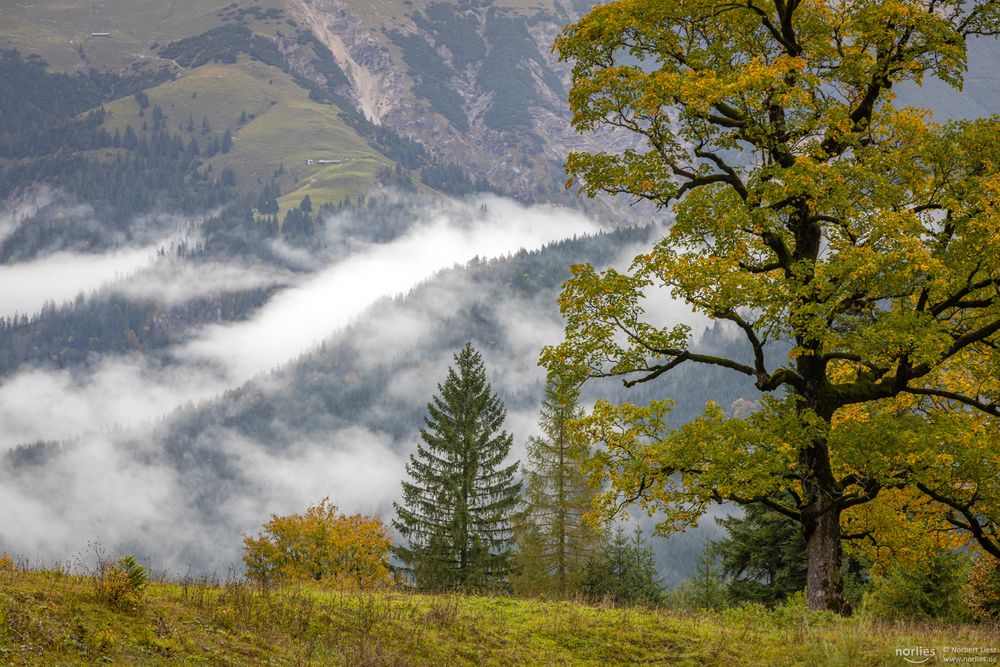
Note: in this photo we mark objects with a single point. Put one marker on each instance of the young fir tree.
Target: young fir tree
(459, 499)
(624, 571)
(554, 541)
(706, 590)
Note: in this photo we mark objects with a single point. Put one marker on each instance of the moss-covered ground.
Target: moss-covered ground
(52, 618)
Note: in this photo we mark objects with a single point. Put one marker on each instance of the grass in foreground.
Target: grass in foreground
(55, 618)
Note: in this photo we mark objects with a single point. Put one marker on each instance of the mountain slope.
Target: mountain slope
(475, 82)
(281, 128)
(471, 86)
(61, 32)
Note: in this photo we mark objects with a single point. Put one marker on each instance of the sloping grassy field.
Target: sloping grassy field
(284, 127)
(57, 29)
(53, 618)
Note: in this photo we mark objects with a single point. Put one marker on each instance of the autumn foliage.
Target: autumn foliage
(850, 242)
(120, 584)
(982, 592)
(322, 545)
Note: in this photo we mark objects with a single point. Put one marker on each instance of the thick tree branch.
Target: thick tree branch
(988, 408)
(975, 336)
(751, 336)
(764, 380)
(734, 178)
(848, 537)
(766, 268)
(955, 300)
(680, 356)
(767, 501)
(860, 116)
(779, 35)
(780, 250)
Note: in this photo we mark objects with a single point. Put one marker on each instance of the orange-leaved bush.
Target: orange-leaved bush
(322, 545)
(982, 591)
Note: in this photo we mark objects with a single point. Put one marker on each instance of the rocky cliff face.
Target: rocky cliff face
(375, 84)
(476, 83)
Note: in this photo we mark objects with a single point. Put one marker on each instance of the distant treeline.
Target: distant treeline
(118, 175)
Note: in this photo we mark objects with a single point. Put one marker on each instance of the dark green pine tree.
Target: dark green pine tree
(459, 498)
(763, 556)
(267, 204)
(554, 542)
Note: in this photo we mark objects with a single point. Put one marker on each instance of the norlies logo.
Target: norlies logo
(916, 655)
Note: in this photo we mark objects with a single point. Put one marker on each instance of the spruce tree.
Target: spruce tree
(268, 202)
(554, 541)
(459, 498)
(624, 572)
(763, 555)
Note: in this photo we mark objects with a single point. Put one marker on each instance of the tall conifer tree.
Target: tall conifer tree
(555, 543)
(458, 501)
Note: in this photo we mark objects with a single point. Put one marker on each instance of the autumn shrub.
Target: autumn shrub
(121, 583)
(322, 546)
(6, 564)
(982, 591)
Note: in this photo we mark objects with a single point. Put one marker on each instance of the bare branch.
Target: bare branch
(734, 181)
(970, 521)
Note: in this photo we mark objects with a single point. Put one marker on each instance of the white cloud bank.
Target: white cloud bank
(50, 405)
(301, 317)
(172, 282)
(59, 277)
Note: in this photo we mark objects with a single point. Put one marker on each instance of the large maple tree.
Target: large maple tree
(811, 209)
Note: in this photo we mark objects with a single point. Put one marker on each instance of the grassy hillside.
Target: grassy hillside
(54, 618)
(58, 31)
(155, 38)
(284, 127)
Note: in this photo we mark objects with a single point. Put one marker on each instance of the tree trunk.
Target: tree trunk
(561, 521)
(824, 577)
(821, 526)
